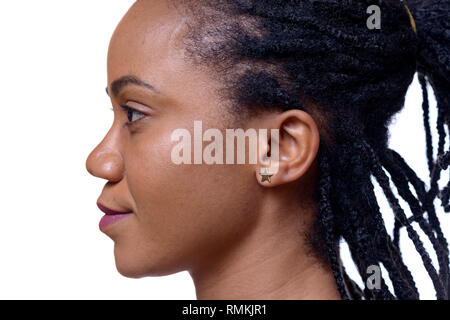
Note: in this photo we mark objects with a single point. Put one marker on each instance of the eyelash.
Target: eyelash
(130, 112)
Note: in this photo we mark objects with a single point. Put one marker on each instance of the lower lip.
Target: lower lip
(109, 220)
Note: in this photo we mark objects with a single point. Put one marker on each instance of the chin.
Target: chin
(131, 264)
(127, 267)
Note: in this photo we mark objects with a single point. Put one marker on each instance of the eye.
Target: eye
(132, 114)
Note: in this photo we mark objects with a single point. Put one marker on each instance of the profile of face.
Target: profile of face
(184, 217)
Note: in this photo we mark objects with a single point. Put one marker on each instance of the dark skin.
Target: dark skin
(239, 237)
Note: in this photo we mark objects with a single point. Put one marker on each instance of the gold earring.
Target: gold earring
(411, 18)
(265, 176)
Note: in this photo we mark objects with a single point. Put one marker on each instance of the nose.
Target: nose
(105, 162)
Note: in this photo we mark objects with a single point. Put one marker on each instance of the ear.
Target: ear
(298, 145)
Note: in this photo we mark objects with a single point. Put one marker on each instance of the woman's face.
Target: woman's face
(182, 215)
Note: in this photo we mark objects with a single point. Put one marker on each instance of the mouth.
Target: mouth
(111, 216)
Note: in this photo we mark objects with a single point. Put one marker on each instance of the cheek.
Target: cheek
(154, 181)
(187, 207)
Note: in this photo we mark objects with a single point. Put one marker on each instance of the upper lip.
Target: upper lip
(109, 211)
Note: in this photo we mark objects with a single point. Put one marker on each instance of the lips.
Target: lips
(110, 212)
(111, 216)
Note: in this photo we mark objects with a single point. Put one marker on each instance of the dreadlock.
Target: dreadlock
(319, 56)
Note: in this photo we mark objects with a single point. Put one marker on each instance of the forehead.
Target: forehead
(147, 43)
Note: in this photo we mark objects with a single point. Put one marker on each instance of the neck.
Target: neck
(273, 262)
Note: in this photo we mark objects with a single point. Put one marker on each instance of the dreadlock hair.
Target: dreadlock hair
(319, 56)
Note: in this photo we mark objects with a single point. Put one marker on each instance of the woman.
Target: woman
(328, 78)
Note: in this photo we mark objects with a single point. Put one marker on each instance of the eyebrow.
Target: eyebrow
(122, 82)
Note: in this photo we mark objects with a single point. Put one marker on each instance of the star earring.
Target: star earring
(265, 176)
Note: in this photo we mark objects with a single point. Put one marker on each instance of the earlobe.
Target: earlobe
(298, 145)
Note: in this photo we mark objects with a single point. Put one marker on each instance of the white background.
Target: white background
(54, 112)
